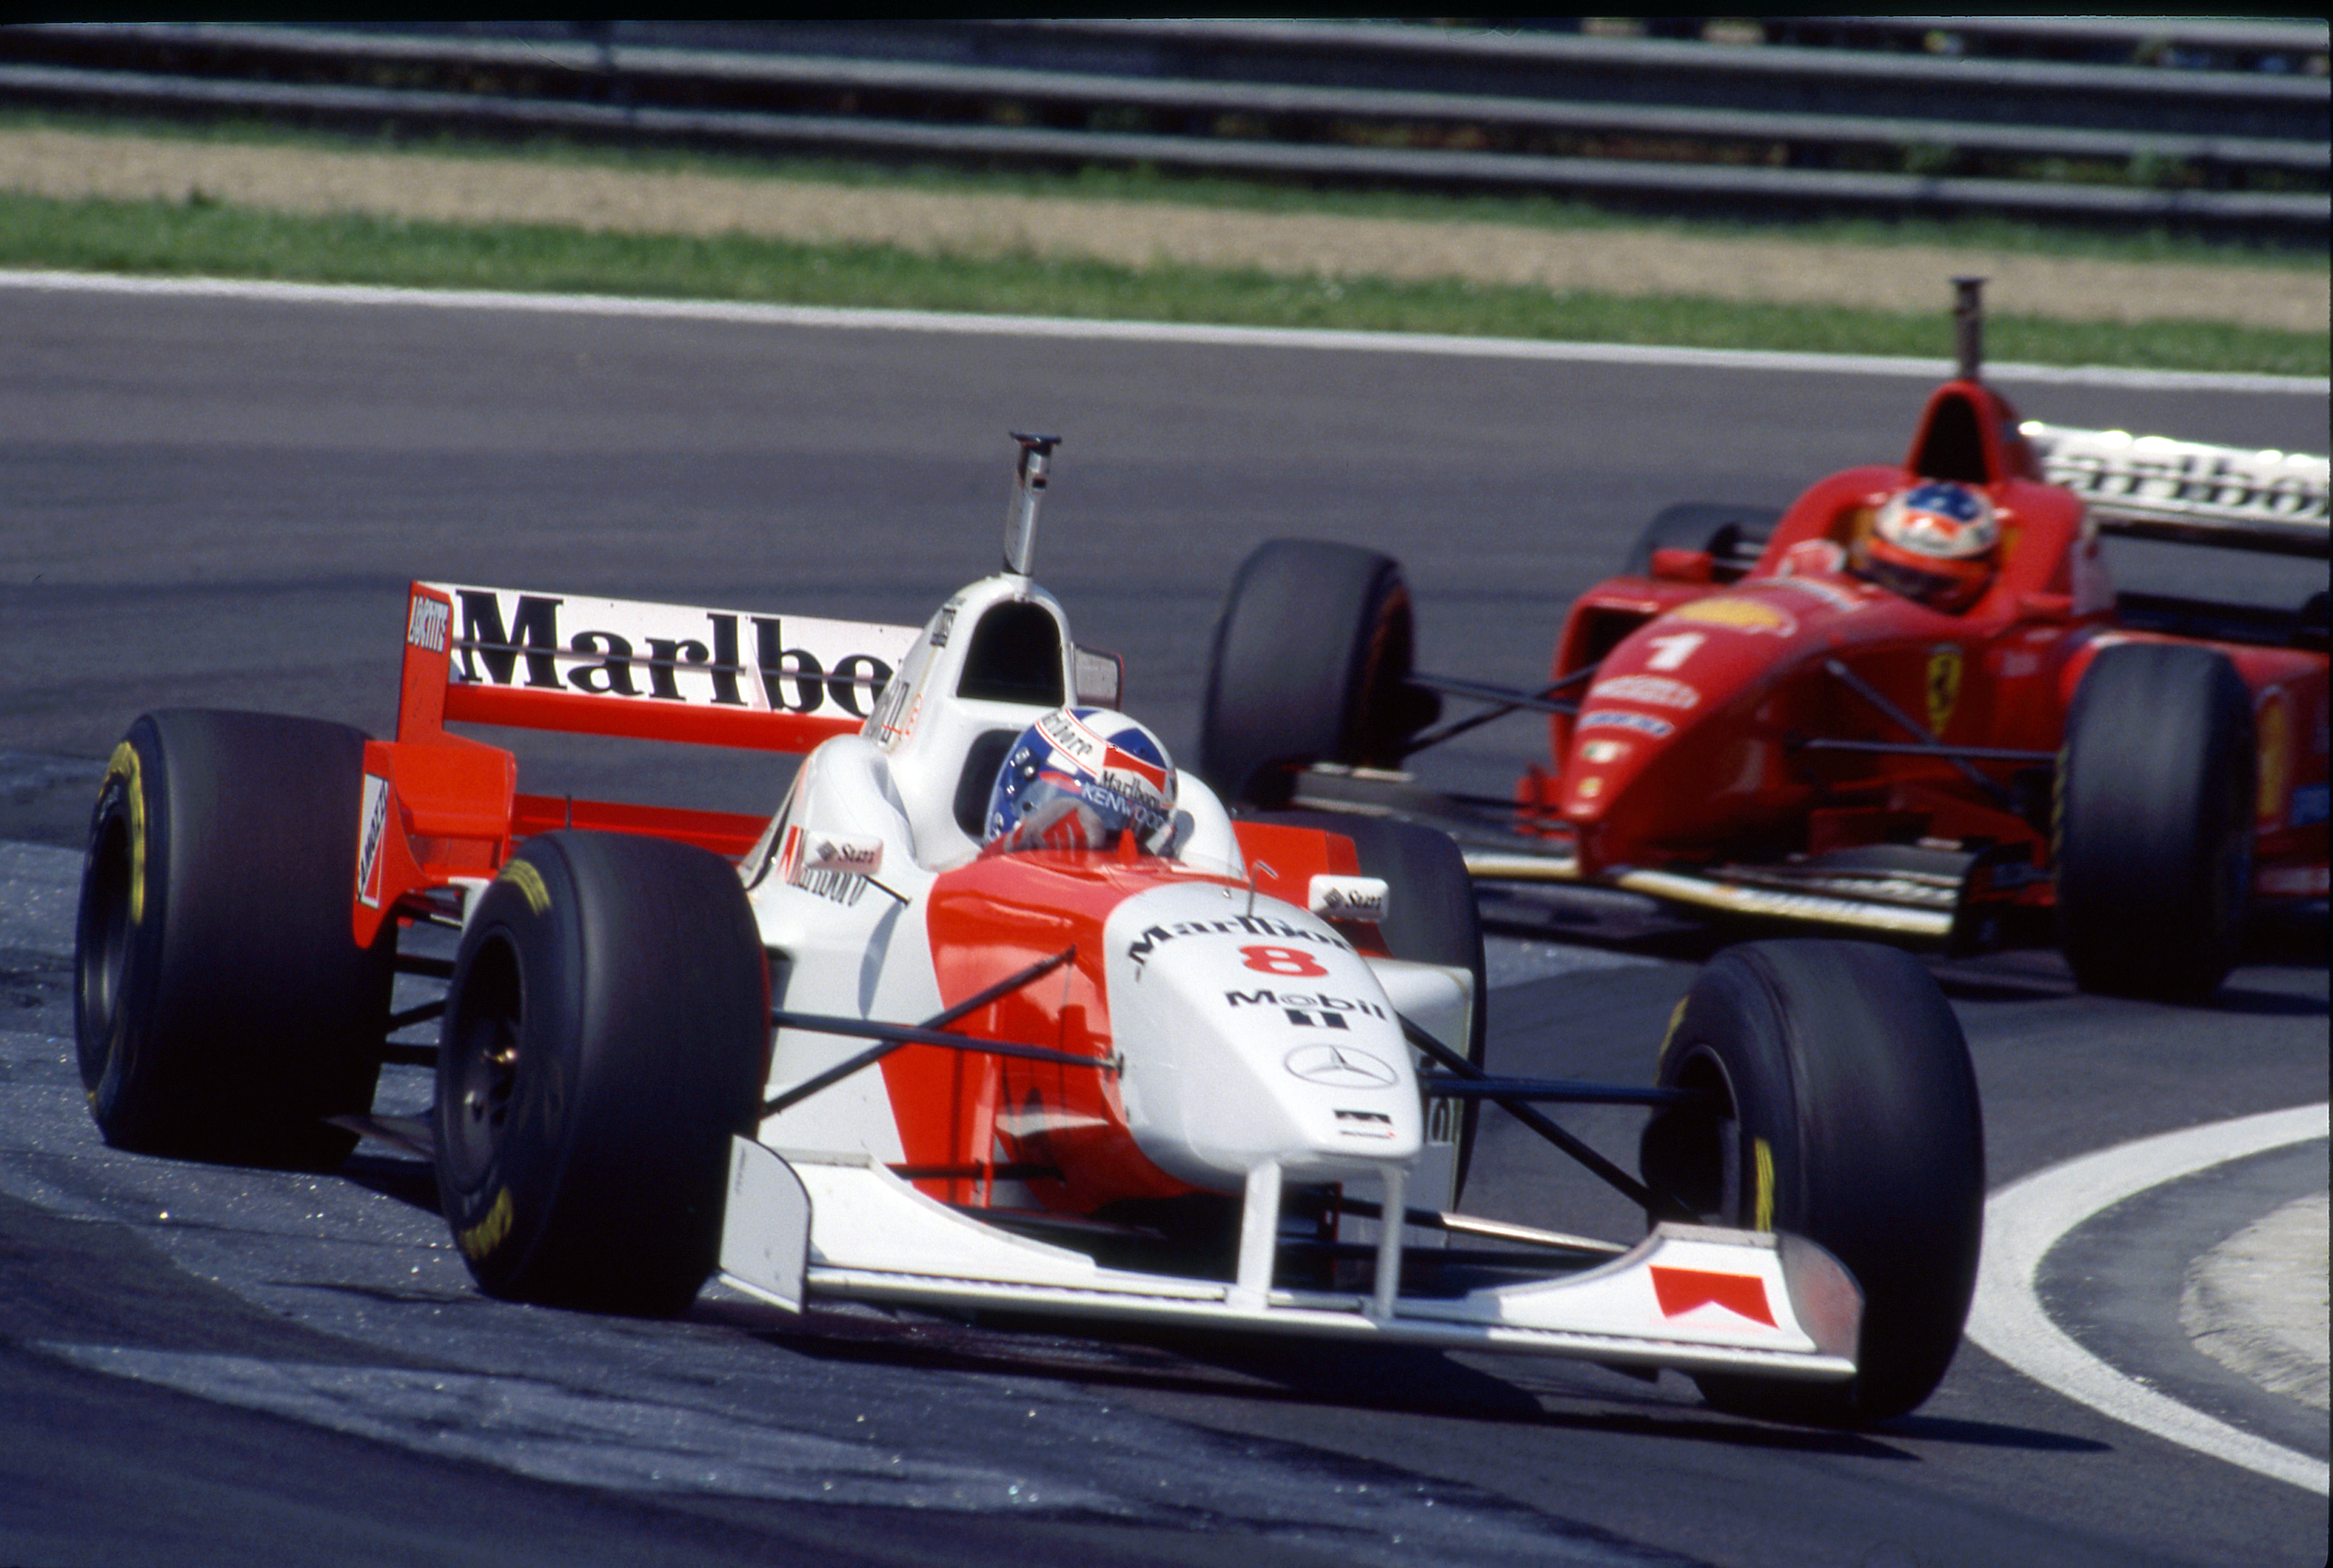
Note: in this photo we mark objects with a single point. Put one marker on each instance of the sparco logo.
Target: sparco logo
(698, 658)
(425, 627)
(1158, 937)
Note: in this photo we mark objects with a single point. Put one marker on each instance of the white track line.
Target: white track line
(2025, 1219)
(1445, 345)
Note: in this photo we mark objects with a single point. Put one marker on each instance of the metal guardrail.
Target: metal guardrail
(2185, 43)
(1771, 129)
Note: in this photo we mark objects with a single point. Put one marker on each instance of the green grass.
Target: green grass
(214, 240)
(207, 238)
(1154, 185)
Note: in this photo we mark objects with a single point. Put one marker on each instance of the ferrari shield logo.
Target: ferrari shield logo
(1944, 686)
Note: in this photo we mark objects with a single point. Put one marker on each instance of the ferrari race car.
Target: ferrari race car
(1911, 703)
(994, 1014)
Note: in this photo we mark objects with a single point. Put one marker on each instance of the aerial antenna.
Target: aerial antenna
(1968, 324)
(1028, 489)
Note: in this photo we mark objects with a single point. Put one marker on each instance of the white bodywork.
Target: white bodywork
(1690, 1297)
(1208, 1088)
(1233, 1076)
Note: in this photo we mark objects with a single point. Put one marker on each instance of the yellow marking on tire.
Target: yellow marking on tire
(1668, 1035)
(487, 1234)
(1761, 1213)
(125, 764)
(528, 880)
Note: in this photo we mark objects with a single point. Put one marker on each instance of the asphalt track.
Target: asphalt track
(218, 501)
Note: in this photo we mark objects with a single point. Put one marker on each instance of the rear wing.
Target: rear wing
(441, 812)
(2189, 492)
(612, 667)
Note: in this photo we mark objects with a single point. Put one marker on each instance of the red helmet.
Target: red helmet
(1936, 543)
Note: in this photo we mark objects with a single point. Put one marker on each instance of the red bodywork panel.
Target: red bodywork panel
(958, 1112)
(990, 919)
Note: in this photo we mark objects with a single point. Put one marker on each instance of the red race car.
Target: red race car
(1910, 704)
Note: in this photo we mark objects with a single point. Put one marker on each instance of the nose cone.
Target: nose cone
(1251, 1031)
(1629, 717)
(1678, 673)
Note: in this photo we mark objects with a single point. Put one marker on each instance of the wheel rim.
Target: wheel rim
(101, 951)
(1700, 1154)
(483, 1042)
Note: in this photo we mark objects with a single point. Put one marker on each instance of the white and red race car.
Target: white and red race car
(1226, 1077)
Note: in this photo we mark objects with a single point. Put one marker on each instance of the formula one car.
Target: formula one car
(1910, 704)
(991, 1014)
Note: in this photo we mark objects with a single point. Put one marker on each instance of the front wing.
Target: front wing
(1694, 1298)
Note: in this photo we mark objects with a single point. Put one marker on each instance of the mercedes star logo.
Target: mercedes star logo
(1341, 1067)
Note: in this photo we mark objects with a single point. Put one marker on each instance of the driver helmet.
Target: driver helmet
(1936, 543)
(1076, 779)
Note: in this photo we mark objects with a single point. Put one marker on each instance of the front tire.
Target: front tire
(223, 1008)
(1840, 1106)
(2153, 823)
(1310, 663)
(605, 1033)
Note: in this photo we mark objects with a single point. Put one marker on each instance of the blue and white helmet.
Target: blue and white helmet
(1078, 778)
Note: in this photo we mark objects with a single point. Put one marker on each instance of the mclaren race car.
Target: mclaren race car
(994, 1013)
(1911, 703)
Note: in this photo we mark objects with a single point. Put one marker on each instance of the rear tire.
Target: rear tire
(222, 1006)
(1842, 1108)
(2153, 823)
(1310, 663)
(1733, 536)
(607, 1032)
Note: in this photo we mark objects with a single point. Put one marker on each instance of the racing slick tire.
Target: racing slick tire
(1840, 1106)
(1310, 663)
(1431, 915)
(2154, 821)
(606, 1030)
(1733, 536)
(222, 1007)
